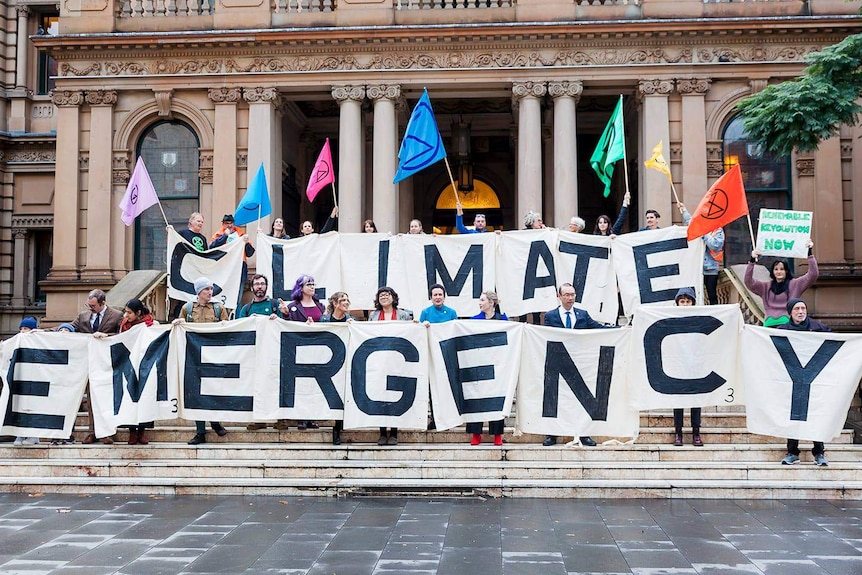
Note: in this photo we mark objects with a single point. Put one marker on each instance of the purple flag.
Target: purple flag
(140, 194)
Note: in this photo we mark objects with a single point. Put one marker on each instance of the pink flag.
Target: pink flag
(140, 194)
(322, 174)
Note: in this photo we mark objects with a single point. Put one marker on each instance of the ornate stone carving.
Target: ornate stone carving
(259, 94)
(33, 222)
(756, 54)
(383, 91)
(693, 86)
(571, 89)
(653, 87)
(714, 162)
(23, 11)
(846, 148)
(224, 95)
(163, 102)
(120, 173)
(675, 152)
(29, 157)
(343, 93)
(19, 233)
(523, 89)
(758, 85)
(205, 171)
(84, 162)
(242, 160)
(101, 97)
(67, 97)
(805, 167)
(42, 111)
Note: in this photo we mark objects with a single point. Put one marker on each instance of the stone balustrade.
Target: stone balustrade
(106, 16)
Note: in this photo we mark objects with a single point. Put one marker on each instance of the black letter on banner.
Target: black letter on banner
(582, 263)
(458, 375)
(558, 363)
(33, 388)
(156, 355)
(181, 250)
(406, 385)
(646, 274)
(532, 281)
(196, 370)
(472, 263)
(802, 377)
(278, 289)
(322, 373)
(383, 263)
(658, 379)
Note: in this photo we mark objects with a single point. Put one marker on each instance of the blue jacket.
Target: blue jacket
(714, 244)
(582, 320)
(462, 229)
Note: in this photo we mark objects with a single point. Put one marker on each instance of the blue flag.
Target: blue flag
(422, 144)
(255, 203)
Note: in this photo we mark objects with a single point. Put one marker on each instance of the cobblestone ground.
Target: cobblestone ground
(293, 535)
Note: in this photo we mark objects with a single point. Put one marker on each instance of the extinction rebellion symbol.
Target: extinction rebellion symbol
(134, 196)
(715, 206)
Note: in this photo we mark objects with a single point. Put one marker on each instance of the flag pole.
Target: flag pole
(750, 229)
(334, 198)
(673, 189)
(452, 180)
(625, 159)
(161, 209)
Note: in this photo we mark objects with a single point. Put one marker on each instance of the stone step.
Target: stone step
(239, 434)
(561, 488)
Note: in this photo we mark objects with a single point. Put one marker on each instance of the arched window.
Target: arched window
(171, 153)
(767, 185)
(482, 199)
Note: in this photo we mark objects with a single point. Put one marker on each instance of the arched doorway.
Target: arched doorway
(767, 185)
(482, 200)
(170, 150)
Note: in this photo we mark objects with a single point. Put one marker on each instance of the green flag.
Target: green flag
(611, 147)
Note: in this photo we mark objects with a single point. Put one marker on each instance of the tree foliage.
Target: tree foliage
(800, 113)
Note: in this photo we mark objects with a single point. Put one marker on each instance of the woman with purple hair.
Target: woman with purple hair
(304, 306)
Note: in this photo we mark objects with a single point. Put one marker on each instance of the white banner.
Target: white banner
(376, 260)
(283, 261)
(799, 384)
(129, 379)
(465, 265)
(388, 380)
(784, 233)
(526, 273)
(302, 370)
(222, 265)
(43, 374)
(586, 262)
(573, 382)
(685, 357)
(215, 367)
(652, 265)
(474, 370)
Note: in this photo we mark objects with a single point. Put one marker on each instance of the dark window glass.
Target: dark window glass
(49, 24)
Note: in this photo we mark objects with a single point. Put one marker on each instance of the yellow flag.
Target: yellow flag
(657, 161)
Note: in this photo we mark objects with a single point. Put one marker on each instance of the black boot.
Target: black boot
(198, 439)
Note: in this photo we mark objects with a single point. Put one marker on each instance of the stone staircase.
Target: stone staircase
(733, 464)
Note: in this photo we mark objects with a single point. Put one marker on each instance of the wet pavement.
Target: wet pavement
(102, 534)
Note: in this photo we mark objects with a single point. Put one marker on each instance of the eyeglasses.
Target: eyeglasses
(309, 284)
(385, 293)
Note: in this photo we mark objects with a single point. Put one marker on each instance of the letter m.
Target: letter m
(472, 264)
(121, 364)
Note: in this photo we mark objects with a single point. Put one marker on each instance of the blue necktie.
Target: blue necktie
(96, 323)
(568, 320)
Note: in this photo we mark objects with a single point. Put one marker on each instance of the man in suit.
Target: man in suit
(569, 317)
(103, 319)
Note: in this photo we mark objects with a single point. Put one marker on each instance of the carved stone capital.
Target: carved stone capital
(224, 95)
(67, 98)
(163, 102)
(242, 160)
(571, 89)
(758, 85)
(205, 171)
(384, 92)
(19, 233)
(120, 168)
(693, 86)
(805, 167)
(101, 97)
(522, 90)
(343, 93)
(23, 11)
(655, 87)
(260, 94)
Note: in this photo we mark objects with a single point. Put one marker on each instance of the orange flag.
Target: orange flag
(723, 203)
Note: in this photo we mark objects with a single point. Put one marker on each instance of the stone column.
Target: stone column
(263, 129)
(655, 193)
(566, 96)
(20, 267)
(65, 262)
(21, 47)
(694, 174)
(385, 156)
(826, 201)
(526, 97)
(224, 180)
(100, 201)
(349, 177)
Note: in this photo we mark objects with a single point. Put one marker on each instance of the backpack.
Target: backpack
(190, 306)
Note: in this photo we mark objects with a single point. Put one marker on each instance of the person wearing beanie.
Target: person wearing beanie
(797, 310)
(203, 310)
(29, 323)
(66, 327)
(230, 233)
(686, 297)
